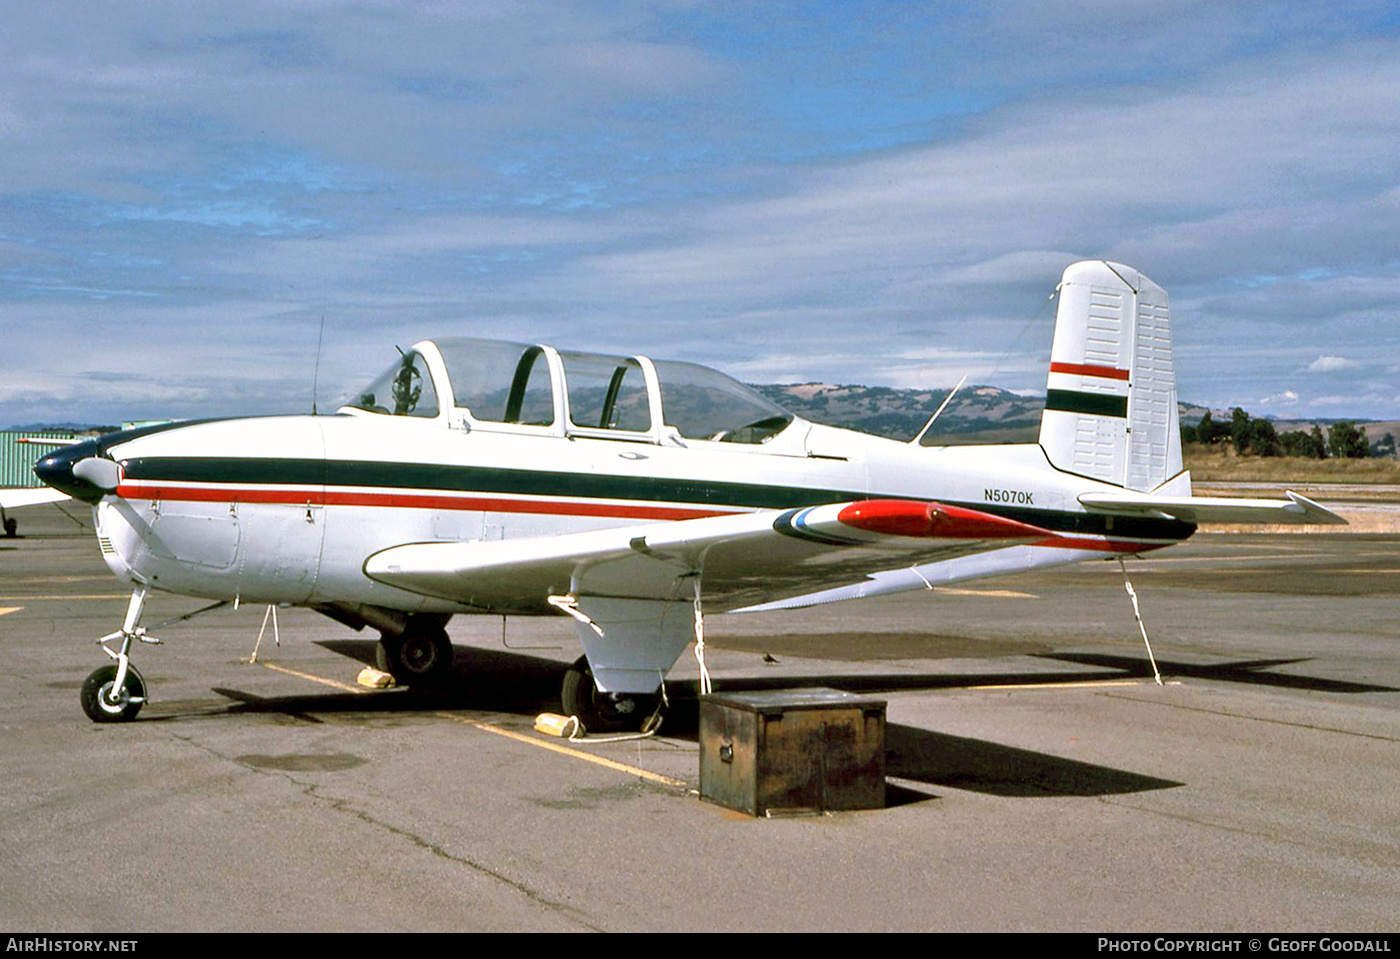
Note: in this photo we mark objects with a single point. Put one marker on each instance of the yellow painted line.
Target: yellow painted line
(1088, 684)
(336, 684)
(1003, 593)
(566, 751)
(10, 609)
(487, 727)
(74, 596)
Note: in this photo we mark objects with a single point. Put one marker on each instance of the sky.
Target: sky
(881, 193)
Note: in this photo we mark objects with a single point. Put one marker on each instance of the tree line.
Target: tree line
(1249, 435)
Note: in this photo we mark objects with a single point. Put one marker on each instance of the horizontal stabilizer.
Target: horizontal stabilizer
(1211, 509)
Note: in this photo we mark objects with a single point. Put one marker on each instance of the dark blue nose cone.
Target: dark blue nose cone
(56, 470)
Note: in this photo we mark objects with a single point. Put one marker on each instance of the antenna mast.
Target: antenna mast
(316, 376)
(941, 407)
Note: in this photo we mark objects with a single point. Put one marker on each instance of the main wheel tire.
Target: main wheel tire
(102, 706)
(422, 656)
(602, 712)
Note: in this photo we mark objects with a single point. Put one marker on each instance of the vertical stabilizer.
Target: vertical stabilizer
(1110, 404)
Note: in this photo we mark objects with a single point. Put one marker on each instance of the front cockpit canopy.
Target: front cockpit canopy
(495, 384)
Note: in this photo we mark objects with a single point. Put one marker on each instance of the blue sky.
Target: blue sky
(882, 193)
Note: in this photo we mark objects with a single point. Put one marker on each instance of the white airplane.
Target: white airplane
(485, 477)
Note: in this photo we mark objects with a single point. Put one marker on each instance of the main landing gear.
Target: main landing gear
(420, 656)
(602, 712)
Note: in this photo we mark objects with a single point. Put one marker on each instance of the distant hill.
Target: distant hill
(977, 413)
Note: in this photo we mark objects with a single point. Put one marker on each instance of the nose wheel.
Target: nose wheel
(106, 702)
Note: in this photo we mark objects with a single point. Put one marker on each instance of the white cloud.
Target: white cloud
(1332, 364)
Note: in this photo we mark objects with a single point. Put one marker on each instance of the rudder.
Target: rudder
(1110, 405)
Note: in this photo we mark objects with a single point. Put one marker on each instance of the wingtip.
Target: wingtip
(1316, 512)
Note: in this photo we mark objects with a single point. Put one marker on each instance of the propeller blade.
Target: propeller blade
(99, 471)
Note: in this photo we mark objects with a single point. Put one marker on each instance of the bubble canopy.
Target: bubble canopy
(492, 384)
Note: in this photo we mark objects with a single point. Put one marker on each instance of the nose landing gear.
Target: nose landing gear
(116, 693)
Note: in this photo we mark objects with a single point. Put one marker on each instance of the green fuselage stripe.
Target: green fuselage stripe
(692, 492)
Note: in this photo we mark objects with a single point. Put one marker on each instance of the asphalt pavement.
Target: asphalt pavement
(1039, 778)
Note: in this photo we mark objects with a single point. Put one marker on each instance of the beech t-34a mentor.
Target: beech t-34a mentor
(477, 476)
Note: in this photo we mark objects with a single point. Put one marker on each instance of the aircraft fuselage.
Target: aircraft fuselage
(286, 509)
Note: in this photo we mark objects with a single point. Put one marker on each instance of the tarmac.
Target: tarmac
(1038, 777)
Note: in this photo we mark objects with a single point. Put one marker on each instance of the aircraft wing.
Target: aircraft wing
(29, 496)
(1211, 509)
(633, 589)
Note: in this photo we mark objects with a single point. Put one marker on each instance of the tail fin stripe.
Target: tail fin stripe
(1093, 404)
(1082, 369)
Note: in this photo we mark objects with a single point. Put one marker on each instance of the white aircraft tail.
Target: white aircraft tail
(1110, 405)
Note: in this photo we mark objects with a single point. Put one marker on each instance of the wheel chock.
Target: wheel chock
(375, 679)
(552, 724)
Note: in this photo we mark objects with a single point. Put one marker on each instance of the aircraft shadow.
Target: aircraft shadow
(483, 680)
(977, 765)
(513, 683)
(1250, 672)
(508, 682)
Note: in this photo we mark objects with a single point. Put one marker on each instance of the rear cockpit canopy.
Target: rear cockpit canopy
(495, 385)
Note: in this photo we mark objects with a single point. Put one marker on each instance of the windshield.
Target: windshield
(404, 389)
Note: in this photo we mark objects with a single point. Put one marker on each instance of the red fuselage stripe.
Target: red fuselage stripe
(1084, 369)
(408, 501)
(292, 497)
